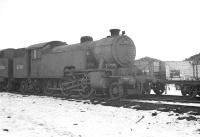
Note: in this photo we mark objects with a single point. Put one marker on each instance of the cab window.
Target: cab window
(36, 54)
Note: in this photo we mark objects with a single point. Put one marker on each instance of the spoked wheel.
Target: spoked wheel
(37, 87)
(184, 91)
(159, 88)
(116, 91)
(192, 94)
(23, 87)
(9, 86)
(159, 91)
(37, 90)
(65, 92)
(2, 87)
(46, 89)
(87, 92)
(146, 89)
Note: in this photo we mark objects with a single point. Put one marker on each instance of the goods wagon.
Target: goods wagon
(182, 70)
(185, 74)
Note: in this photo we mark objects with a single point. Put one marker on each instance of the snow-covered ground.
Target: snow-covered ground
(170, 90)
(36, 116)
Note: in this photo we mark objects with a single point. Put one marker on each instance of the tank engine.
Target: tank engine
(88, 68)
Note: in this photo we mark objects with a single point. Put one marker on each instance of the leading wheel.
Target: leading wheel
(116, 91)
(146, 89)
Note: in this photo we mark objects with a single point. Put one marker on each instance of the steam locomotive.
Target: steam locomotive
(89, 68)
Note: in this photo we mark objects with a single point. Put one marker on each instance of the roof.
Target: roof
(195, 58)
(7, 49)
(41, 45)
(148, 59)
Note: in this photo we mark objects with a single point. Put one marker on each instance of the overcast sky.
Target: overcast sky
(162, 29)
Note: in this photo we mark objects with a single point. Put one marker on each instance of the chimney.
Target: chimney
(114, 32)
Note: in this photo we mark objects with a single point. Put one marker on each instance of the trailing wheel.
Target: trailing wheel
(116, 91)
(23, 87)
(37, 86)
(1, 87)
(87, 92)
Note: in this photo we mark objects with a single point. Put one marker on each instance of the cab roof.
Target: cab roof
(41, 45)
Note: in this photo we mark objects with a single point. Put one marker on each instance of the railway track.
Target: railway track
(147, 98)
(167, 98)
(178, 100)
(164, 103)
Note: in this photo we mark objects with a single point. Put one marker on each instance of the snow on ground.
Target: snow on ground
(170, 90)
(37, 116)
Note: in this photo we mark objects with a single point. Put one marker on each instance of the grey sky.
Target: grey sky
(163, 29)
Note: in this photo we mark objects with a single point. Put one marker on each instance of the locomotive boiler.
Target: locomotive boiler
(113, 51)
(88, 68)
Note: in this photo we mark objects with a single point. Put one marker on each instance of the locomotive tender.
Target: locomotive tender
(105, 66)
